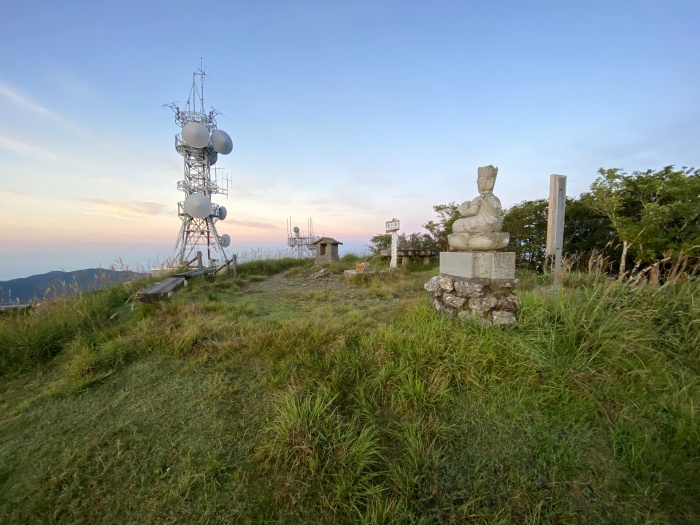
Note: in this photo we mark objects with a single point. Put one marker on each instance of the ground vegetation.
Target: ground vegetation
(288, 395)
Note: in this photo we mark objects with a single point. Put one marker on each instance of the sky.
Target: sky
(347, 112)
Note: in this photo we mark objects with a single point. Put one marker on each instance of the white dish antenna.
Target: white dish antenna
(221, 142)
(200, 149)
(195, 134)
(198, 206)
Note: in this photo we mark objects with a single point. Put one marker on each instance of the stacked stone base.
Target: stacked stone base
(487, 301)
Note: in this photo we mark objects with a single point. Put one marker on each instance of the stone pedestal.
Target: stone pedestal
(487, 301)
(477, 286)
(481, 265)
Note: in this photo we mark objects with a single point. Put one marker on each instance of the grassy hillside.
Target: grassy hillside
(60, 283)
(298, 398)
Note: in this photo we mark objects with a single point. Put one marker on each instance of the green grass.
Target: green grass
(352, 402)
(267, 267)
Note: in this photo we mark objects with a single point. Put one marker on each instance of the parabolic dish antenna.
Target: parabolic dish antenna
(222, 213)
(213, 157)
(225, 240)
(195, 134)
(221, 141)
(198, 206)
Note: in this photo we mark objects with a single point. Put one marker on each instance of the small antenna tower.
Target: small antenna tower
(200, 142)
(302, 245)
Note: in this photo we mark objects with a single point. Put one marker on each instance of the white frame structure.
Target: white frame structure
(198, 235)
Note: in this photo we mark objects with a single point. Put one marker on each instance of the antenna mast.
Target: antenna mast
(200, 143)
(301, 244)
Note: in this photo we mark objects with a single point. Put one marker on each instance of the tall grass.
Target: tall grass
(267, 267)
(35, 336)
(218, 406)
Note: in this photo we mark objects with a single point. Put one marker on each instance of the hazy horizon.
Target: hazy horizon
(350, 113)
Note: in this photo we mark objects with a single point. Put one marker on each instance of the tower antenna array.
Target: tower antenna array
(302, 244)
(200, 142)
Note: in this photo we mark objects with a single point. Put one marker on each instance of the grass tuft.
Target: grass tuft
(317, 400)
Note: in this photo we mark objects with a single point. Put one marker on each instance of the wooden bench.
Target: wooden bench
(405, 255)
(158, 290)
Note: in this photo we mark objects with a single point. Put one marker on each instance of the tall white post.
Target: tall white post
(392, 227)
(555, 225)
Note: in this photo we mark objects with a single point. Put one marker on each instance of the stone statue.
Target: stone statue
(479, 229)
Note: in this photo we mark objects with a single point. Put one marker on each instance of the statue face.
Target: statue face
(486, 178)
(485, 184)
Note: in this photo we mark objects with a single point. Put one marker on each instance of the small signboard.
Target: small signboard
(392, 225)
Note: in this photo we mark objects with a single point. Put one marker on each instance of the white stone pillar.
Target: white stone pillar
(555, 225)
(392, 227)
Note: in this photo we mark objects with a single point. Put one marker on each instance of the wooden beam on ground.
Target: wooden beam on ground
(197, 272)
(158, 290)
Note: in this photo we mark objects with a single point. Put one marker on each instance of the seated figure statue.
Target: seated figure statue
(479, 229)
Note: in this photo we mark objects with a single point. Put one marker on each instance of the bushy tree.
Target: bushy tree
(413, 241)
(379, 242)
(585, 231)
(442, 227)
(650, 216)
(526, 223)
(655, 214)
(588, 232)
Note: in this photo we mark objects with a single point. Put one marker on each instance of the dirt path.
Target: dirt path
(314, 288)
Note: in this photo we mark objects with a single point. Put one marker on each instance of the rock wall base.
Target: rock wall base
(488, 301)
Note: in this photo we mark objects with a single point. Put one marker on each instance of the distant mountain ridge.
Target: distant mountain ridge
(59, 283)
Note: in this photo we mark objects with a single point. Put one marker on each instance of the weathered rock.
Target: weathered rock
(470, 288)
(501, 317)
(454, 301)
(433, 285)
(474, 299)
(468, 315)
(506, 305)
(515, 300)
(503, 286)
(446, 283)
(482, 304)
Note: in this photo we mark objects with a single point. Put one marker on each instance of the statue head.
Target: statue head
(486, 178)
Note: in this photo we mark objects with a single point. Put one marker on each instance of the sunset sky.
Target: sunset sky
(348, 112)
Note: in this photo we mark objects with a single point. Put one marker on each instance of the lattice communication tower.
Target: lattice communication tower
(302, 245)
(200, 143)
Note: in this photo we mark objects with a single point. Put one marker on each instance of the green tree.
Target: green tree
(588, 232)
(526, 223)
(585, 231)
(655, 214)
(413, 241)
(379, 242)
(442, 227)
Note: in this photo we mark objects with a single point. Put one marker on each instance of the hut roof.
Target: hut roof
(329, 240)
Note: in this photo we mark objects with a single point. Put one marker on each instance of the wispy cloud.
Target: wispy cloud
(26, 102)
(12, 192)
(21, 100)
(253, 224)
(131, 208)
(17, 146)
